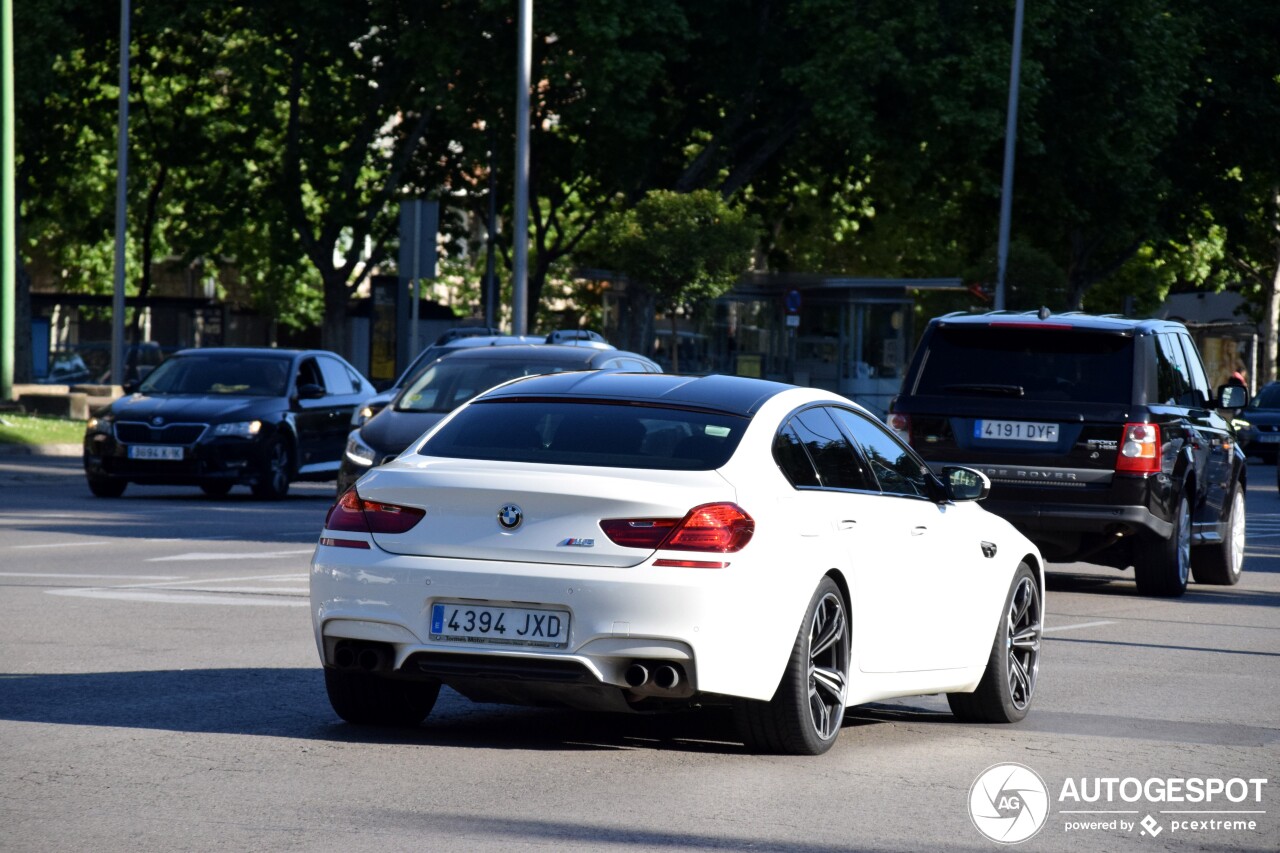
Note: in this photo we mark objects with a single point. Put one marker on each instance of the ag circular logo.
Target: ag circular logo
(510, 516)
(1008, 803)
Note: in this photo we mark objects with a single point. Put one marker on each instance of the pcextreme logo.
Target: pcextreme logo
(1008, 803)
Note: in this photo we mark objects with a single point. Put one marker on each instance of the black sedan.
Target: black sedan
(216, 418)
(449, 382)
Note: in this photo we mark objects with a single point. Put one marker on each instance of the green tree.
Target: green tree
(684, 248)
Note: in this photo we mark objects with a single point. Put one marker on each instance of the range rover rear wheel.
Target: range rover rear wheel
(1161, 566)
(1222, 562)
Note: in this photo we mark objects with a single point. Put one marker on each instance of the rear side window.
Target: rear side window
(595, 434)
(811, 442)
(1173, 375)
(898, 470)
(1051, 365)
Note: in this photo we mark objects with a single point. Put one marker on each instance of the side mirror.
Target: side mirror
(965, 484)
(1232, 396)
(310, 392)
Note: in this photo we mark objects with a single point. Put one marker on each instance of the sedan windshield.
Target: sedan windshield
(611, 435)
(449, 383)
(1268, 398)
(246, 376)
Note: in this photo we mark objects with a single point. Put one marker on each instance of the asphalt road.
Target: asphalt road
(160, 690)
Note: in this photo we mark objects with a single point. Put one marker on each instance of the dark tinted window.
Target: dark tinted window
(1173, 377)
(601, 434)
(1268, 397)
(449, 383)
(834, 458)
(249, 376)
(898, 470)
(1199, 382)
(793, 460)
(1065, 365)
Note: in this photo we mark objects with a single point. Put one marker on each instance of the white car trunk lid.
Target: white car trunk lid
(552, 513)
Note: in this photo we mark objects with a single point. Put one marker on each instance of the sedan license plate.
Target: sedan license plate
(1014, 431)
(155, 451)
(461, 622)
(1268, 437)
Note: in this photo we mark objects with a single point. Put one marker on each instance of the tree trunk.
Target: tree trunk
(333, 330)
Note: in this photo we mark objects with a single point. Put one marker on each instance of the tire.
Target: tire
(366, 699)
(216, 489)
(106, 487)
(273, 479)
(807, 709)
(1162, 566)
(1009, 684)
(1223, 562)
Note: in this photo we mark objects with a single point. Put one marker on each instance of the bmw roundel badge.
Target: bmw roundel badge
(510, 516)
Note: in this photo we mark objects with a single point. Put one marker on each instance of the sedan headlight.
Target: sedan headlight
(98, 424)
(359, 452)
(238, 429)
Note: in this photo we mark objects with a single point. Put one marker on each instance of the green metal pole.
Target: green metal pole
(8, 213)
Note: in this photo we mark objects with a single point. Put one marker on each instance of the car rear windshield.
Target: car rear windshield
(1067, 365)
(448, 384)
(242, 376)
(609, 435)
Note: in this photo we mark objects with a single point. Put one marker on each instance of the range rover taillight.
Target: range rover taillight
(1139, 449)
(901, 425)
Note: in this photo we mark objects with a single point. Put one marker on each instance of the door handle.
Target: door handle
(919, 531)
(846, 524)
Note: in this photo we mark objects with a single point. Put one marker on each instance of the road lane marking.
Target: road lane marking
(182, 597)
(56, 545)
(205, 591)
(201, 556)
(1076, 627)
(167, 578)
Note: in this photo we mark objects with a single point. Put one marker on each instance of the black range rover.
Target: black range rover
(1100, 435)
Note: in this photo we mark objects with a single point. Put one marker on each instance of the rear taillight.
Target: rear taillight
(1139, 449)
(901, 425)
(354, 513)
(723, 528)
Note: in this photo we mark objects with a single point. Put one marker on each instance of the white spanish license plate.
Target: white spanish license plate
(155, 451)
(1015, 431)
(462, 622)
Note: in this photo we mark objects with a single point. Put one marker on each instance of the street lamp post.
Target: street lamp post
(1010, 137)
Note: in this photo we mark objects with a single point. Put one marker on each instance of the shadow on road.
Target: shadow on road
(291, 703)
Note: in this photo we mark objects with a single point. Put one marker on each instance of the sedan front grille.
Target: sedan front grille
(140, 432)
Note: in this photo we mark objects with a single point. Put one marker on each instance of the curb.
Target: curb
(41, 449)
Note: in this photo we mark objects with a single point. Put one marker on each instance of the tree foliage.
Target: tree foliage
(684, 248)
(271, 143)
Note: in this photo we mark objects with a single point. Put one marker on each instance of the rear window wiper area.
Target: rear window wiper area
(989, 389)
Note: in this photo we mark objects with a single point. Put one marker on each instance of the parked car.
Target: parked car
(449, 382)
(639, 542)
(1260, 428)
(216, 418)
(1100, 435)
